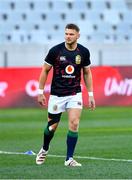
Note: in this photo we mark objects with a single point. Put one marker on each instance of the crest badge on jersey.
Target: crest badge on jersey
(78, 59)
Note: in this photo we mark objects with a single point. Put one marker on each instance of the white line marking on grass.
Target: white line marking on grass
(94, 158)
(62, 156)
(19, 153)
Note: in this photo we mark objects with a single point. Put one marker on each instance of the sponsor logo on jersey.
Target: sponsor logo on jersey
(78, 59)
(62, 58)
(69, 69)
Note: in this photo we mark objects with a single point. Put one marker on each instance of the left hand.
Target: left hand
(91, 102)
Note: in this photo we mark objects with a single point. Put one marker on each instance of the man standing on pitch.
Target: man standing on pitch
(67, 60)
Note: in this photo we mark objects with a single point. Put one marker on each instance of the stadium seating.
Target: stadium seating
(42, 21)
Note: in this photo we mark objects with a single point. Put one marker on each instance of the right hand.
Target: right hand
(42, 99)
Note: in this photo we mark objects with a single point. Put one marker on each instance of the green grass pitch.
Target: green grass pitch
(104, 133)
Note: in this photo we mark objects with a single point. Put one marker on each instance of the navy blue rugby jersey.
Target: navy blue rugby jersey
(67, 67)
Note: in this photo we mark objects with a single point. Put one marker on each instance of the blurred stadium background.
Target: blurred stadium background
(28, 28)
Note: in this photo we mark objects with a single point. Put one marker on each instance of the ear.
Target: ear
(78, 36)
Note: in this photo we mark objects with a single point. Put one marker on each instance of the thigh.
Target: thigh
(56, 104)
(74, 101)
(74, 115)
(74, 109)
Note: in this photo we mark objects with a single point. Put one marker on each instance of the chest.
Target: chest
(73, 57)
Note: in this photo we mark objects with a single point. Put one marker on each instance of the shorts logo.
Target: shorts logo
(55, 107)
(78, 59)
(79, 103)
(69, 69)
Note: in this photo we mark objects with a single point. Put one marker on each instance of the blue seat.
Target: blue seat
(118, 5)
(98, 5)
(41, 5)
(111, 16)
(22, 5)
(124, 26)
(93, 16)
(5, 5)
(127, 16)
(54, 16)
(59, 5)
(85, 27)
(73, 17)
(13, 37)
(79, 5)
(37, 37)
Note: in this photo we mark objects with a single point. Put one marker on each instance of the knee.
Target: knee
(53, 121)
(53, 127)
(74, 124)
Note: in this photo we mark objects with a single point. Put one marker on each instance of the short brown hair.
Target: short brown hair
(72, 26)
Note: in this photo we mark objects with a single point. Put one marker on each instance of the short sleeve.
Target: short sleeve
(86, 58)
(49, 59)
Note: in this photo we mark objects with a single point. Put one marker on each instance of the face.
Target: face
(71, 36)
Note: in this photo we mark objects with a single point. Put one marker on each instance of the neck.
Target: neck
(71, 47)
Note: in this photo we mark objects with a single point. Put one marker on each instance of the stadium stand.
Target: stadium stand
(32, 26)
(99, 19)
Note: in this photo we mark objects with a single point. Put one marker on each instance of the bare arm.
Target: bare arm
(42, 80)
(87, 75)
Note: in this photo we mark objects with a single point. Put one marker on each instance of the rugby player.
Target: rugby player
(67, 60)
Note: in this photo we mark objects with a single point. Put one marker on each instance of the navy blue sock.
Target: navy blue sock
(72, 138)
